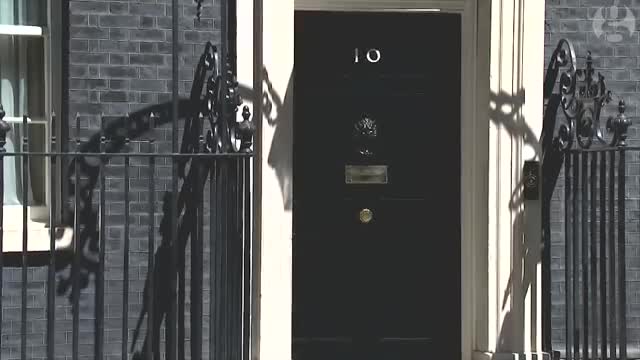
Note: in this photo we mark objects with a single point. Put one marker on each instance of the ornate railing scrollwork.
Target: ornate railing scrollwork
(219, 107)
(590, 155)
(118, 131)
(583, 96)
(198, 8)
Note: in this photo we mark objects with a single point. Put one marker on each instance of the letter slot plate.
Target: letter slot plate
(366, 174)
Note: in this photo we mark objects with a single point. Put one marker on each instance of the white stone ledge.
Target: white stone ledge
(482, 355)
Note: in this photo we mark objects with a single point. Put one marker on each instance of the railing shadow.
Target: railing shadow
(278, 112)
(280, 152)
(157, 303)
(522, 284)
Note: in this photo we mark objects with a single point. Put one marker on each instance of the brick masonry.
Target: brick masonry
(619, 61)
(119, 61)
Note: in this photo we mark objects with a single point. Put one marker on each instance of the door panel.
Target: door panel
(388, 288)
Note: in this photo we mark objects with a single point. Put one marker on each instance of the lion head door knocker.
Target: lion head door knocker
(365, 136)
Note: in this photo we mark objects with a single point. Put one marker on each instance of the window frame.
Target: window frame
(39, 215)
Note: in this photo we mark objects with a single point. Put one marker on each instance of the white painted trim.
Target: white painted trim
(474, 150)
(380, 5)
(21, 30)
(489, 171)
(274, 168)
(274, 225)
(38, 232)
(54, 40)
(256, 173)
(18, 120)
(474, 170)
(480, 161)
(396, 10)
(474, 156)
(511, 323)
(51, 53)
(478, 355)
(245, 58)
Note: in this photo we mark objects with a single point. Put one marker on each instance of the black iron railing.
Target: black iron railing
(593, 161)
(203, 224)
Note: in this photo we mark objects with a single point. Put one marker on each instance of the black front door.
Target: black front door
(376, 246)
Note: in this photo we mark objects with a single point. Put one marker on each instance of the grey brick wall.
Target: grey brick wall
(619, 62)
(119, 62)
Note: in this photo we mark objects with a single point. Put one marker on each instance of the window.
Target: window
(28, 68)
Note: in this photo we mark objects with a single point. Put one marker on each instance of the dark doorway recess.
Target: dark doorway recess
(376, 247)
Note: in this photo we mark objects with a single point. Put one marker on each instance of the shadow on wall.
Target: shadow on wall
(504, 112)
(526, 252)
(278, 111)
(280, 156)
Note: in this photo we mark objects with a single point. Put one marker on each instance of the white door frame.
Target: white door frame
(271, 33)
(472, 157)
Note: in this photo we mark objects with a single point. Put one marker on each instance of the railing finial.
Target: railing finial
(619, 125)
(246, 129)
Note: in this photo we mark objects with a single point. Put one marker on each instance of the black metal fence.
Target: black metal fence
(201, 222)
(593, 160)
(595, 267)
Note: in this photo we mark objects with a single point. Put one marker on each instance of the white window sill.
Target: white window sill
(38, 238)
(18, 120)
(21, 30)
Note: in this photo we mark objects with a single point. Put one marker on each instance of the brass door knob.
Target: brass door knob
(366, 216)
